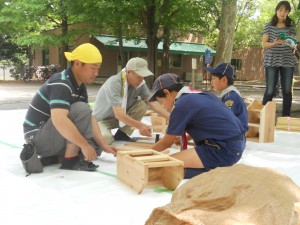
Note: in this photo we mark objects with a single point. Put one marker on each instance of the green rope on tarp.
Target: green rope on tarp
(107, 174)
(91, 104)
(10, 145)
(162, 190)
(157, 189)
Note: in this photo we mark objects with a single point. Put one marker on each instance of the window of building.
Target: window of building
(175, 61)
(45, 57)
(237, 64)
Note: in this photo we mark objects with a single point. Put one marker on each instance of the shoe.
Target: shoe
(81, 165)
(49, 160)
(121, 136)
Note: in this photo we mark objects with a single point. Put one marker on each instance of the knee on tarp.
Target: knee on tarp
(30, 159)
(192, 172)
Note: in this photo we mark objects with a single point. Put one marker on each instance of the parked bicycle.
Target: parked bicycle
(41, 73)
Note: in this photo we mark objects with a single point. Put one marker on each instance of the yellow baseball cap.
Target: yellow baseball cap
(86, 53)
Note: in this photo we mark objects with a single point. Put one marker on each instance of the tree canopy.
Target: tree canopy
(26, 23)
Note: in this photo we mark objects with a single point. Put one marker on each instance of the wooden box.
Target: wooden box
(261, 121)
(148, 168)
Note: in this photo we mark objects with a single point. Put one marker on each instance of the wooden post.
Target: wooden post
(194, 66)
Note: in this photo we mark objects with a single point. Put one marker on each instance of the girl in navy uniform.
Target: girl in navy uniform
(218, 134)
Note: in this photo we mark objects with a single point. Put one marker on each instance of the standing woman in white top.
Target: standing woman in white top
(279, 58)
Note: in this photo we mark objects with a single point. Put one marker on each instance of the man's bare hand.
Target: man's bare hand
(145, 130)
(177, 141)
(89, 153)
(110, 149)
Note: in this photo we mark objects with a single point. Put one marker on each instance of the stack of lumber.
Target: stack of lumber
(288, 124)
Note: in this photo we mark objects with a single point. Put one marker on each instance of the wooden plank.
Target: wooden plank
(154, 127)
(267, 123)
(172, 176)
(253, 124)
(136, 152)
(155, 177)
(152, 158)
(163, 164)
(286, 127)
(288, 124)
(139, 144)
(255, 105)
(288, 119)
(132, 174)
(254, 139)
(134, 148)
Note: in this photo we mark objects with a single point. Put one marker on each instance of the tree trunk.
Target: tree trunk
(64, 44)
(152, 55)
(64, 32)
(166, 48)
(152, 41)
(121, 49)
(227, 26)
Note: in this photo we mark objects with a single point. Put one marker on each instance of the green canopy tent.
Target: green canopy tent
(184, 48)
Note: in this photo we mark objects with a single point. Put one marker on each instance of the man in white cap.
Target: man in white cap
(59, 121)
(121, 102)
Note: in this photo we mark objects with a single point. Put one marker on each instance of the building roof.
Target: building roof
(184, 48)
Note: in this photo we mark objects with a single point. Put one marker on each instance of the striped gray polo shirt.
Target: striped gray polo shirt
(280, 55)
(60, 91)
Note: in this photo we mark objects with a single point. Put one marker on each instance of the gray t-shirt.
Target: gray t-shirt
(110, 95)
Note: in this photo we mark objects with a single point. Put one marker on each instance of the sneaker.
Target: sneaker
(49, 160)
(81, 165)
(121, 136)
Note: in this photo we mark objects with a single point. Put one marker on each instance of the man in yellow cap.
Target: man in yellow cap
(59, 120)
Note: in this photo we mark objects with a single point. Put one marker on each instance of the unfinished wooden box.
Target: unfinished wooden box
(148, 168)
(288, 124)
(261, 121)
(156, 121)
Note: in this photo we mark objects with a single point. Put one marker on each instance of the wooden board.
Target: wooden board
(261, 121)
(154, 127)
(288, 124)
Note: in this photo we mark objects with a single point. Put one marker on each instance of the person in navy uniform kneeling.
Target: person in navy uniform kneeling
(218, 134)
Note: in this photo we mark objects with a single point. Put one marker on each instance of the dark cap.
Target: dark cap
(164, 81)
(223, 69)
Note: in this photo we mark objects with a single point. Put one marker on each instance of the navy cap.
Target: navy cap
(223, 69)
(164, 81)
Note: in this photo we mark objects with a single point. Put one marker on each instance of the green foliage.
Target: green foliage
(251, 24)
(26, 23)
